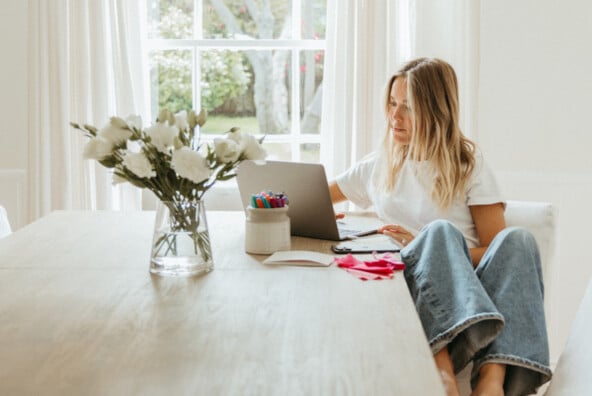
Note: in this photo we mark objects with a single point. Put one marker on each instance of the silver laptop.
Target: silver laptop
(310, 209)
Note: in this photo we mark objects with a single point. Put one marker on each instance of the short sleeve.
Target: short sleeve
(483, 189)
(355, 183)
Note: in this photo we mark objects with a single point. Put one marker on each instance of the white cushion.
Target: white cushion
(539, 219)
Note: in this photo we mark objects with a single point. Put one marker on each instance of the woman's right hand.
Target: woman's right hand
(398, 233)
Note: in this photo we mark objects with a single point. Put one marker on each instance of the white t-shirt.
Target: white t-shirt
(409, 203)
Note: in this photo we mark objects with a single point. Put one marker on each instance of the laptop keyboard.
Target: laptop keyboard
(343, 232)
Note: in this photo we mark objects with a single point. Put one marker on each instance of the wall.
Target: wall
(13, 109)
(535, 99)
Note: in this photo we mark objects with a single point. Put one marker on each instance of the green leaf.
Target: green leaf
(91, 129)
(109, 162)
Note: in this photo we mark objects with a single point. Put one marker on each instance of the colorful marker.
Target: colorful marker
(267, 199)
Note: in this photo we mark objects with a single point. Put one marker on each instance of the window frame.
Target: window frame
(295, 138)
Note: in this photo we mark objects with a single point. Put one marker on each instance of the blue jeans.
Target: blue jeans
(491, 314)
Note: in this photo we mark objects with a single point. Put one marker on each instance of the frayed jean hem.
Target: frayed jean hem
(443, 339)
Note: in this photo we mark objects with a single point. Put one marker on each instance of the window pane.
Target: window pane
(278, 151)
(251, 85)
(314, 19)
(170, 80)
(310, 152)
(233, 19)
(311, 78)
(170, 19)
(227, 90)
(219, 124)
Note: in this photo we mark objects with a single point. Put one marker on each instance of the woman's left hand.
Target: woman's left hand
(398, 233)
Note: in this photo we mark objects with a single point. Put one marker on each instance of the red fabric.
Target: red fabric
(382, 267)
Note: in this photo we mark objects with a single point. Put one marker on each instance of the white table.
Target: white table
(81, 315)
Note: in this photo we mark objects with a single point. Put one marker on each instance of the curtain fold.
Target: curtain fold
(367, 41)
(86, 65)
(362, 51)
(449, 29)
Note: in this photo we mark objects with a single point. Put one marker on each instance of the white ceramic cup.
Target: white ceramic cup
(267, 230)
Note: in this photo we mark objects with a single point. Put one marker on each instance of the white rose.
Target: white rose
(236, 135)
(248, 144)
(115, 132)
(181, 120)
(98, 149)
(162, 136)
(251, 148)
(190, 165)
(118, 122)
(138, 164)
(227, 150)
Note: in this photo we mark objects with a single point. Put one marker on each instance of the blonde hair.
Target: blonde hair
(432, 95)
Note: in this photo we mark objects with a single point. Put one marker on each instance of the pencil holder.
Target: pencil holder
(267, 230)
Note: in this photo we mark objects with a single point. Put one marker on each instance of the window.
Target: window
(257, 65)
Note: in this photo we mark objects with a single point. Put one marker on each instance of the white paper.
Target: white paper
(299, 257)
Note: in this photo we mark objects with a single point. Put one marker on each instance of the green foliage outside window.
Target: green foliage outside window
(225, 74)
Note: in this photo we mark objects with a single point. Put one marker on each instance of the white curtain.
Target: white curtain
(449, 29)
(361, 52)
(86, 65)
(367, 41)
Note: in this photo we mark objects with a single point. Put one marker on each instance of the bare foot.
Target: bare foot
(491, 380)
(446, 370)
(450, 384)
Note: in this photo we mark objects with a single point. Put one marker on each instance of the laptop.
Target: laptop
(309, 208)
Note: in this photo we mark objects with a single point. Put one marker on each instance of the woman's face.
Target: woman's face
(399, 114)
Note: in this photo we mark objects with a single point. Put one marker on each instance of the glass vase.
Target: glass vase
(181, 241)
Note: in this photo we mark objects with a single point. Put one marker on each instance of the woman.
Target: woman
(477, 285)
